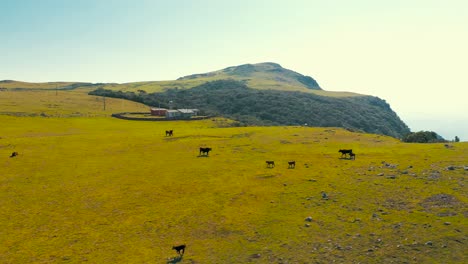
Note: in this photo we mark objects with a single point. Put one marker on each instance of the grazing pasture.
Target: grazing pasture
(103, 190)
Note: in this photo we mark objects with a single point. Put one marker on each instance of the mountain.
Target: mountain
(254, 107)
(253, 94)
(261, 75)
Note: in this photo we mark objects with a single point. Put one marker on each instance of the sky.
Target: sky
(411, 53)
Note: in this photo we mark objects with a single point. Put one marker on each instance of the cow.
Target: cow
(169, 133)
(205, 151)
(345, 151)
(352, 156)
(14, 154)
(179, 249)
(270, 164)
(291, 164)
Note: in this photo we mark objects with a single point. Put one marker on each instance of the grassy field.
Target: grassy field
(76, 103)
(90, 188)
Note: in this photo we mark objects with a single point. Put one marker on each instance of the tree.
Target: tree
(457, 139)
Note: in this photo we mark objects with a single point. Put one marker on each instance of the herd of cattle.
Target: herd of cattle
(270, 163)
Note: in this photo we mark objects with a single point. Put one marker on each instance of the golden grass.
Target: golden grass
(28, 85)
(102, 190)
(62, 104)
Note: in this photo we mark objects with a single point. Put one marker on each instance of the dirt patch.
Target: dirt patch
(267, 176)
(243, 135)
(396, 204)
(441, 201)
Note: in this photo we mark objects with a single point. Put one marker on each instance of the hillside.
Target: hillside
(263, 76)
(235, 100)
(266, 75)
(18, 85)
(104, 190)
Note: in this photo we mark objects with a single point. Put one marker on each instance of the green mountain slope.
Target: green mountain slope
(266, 75)
(235, 100)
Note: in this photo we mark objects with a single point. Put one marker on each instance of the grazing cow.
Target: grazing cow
(205, 151)
(14, 154)
(270, 164)
(179, 249)
(291, 164)
(169, 133)
(352, 156)
(345, 151)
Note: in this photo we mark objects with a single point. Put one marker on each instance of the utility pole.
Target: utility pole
(104, 102)
(56, 90)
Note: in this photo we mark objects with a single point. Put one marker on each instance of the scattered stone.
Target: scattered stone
(428, 243)
(284, 184)
(389, 165)
(447, 223)
(324, 196)
(255, 256)
(309, 219)
(447, 213)
(312, 180)
(391, 177)
(380, 174)
(465, 168)
(434, 175)
(410, 166)
(451, 167)
(307, 225)
(404, 172)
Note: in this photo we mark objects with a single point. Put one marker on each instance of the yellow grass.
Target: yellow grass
(62, 104)
(28, 85)
(102, 190)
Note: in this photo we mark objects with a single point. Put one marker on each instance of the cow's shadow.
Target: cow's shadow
(175, 260)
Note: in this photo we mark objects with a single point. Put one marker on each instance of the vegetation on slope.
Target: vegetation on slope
(235, 100)
(423, 137)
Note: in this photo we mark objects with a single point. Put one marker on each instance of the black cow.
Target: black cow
(291, 164)
(205, 151)
(169, 133)
(14, 154)
(270, 164)
(179, 249)
(344, 152)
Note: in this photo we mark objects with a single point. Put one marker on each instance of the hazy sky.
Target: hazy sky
(412, 53)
